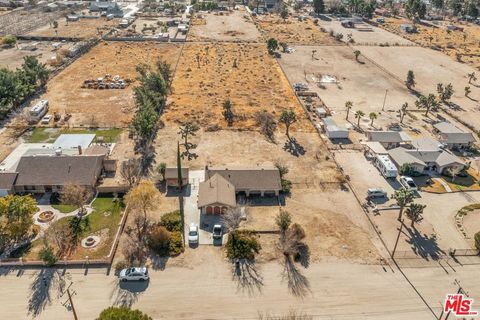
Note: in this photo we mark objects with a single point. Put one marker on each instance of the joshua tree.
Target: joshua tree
(372, 117)
(445, 92)
(467, 91)
(162, 168)
(471, 77)
(288, 118)
(403, 111)
(188, 129)
(410, 82)
(348, 106)
(228, 114)
(358, 115)
(427, 103)
(313, 53)
(357, 54)
(414, 212)
(403, 197)
(272, 45)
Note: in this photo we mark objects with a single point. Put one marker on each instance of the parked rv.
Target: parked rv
(38, 111)
(385, 165)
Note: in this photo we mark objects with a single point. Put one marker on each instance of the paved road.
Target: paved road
(205, 289)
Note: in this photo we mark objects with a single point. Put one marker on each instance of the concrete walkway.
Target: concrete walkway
(444, 184)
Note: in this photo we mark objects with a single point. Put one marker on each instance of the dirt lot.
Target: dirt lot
(105, 108)
(84, 28)
(12, 58)
(362, 82)
(293, 32)
(364, 33)
(430, 67)
(233, 26)
(206, 76)
(452, 43)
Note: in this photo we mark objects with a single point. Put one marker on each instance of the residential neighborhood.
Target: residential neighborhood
(239, 159)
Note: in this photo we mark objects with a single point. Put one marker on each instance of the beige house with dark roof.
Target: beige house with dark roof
(171, 176)
(218, 192)
(453, 137)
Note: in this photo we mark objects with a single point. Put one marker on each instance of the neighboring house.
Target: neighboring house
(389, 139)
(332, 130)
(40, 174)
(424, 161)
(453, 137)
(7, 180)
(171, 176)
(108, 7)
(218, 192)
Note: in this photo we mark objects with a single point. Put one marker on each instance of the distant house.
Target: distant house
(108, 7)
(41, 174)
(171, 176)
(332, 130)
(452, 137)
(218, 192)
(7, 180)
(426, 157)
(389, 139)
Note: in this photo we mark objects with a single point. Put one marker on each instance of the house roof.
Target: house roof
(171, 173)
(68, 141)
(96, 150)
(426, 144)
(388, 136)
(458, 137)
(440, 157)
(216, 190)
(446, 127)
(7, 179)
(376, 147)
(248, 178)
(58, 170)
(401, 157)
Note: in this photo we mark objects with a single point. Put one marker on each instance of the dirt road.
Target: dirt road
(201, 287)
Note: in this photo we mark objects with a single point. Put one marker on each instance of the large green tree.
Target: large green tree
(122, 313)
(318, 6)
(16, 217)
(415, 9)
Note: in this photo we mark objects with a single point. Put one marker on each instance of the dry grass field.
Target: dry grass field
(105, 108)
(293, 32)
(209, 74)
(84, 28)
(462, 44)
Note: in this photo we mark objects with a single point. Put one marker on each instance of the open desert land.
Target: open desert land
(292, 31)
(430, 68)
(12, 58)
(364, 33)
(361, 82)
(209, 74)
(108, 107)
(227, 26)
(463, 44)
(82, 29)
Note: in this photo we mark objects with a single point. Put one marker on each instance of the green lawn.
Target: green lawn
(64, 208)
(49, 135)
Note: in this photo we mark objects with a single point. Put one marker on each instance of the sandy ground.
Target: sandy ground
(471, 222)
(12, 58)
(430, 67)
(84, 28)
(206, 77)
(105, 108)
(292, 31)
(462, 43)
(364, 33)
(202, 287)
(233, 26)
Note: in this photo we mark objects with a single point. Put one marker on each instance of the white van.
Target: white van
(38, 111)
(385, 166)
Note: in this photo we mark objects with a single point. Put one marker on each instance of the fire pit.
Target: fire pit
(45, 216)
(90, 241)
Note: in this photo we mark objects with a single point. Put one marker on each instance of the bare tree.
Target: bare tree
(130, 171)
(234, 216)
(136, 239)
(267, 124)
(77, 195)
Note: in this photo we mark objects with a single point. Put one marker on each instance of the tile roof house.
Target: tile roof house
(218, 191)
(389, 139)
(453, 137)
(40, 174)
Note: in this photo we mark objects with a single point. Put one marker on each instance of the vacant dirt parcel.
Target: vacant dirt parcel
(234, 26)
(209, 74)
(463, 44)
(430, 68)
(292, 31)
(105, 108)
(84, 28)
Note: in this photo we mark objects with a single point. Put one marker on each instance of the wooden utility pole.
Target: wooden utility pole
(71, 304)
(384, 99)
(180, 191)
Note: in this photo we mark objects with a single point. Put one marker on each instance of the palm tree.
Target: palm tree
(403, 111)
(348, 105)
(358, 115)
(471, 77)
(357, 54)
(372, 117)
(403, 197)
(414, 212)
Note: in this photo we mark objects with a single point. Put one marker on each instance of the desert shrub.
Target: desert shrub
(9, 40)
(176, 243)
(172, 221)
(122, 313)
(120, 265)
(159, 240)
(477, 240)
(48, 256)
(408, 170)
(242, 244)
